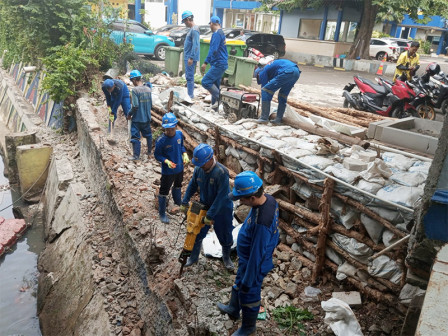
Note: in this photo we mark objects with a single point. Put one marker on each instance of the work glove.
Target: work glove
(208, 221)
(170, 164)
(185, 158)
(109, 109)
(111, 117)
(184, 208)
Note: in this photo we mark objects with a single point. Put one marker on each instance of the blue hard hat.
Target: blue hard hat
(186, 15)
(215, 19)
(134, 74)
(169, 120)
(246, 184)
(257, 71)
(202, 154)
(108, 84)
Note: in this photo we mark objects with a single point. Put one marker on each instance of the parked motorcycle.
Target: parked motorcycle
(389, 99)
(424, 98)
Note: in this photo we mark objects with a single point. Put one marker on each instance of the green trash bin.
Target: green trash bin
(172, 58)
(234, 48)
(241, 71)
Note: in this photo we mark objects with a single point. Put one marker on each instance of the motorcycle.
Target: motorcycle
(424, 98)
(439, 84)
(389, 99)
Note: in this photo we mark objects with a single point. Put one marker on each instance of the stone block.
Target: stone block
(351, 298)
(354, 164)
(32, 164)
(12, 141)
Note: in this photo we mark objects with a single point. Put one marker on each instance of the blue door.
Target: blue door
(143, 43)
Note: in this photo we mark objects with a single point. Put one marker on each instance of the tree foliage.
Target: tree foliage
(68, 37)
(373, 11)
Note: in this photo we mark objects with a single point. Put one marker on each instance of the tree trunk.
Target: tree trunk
(361, 44)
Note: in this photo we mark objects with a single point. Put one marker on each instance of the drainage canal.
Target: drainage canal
(18, 274)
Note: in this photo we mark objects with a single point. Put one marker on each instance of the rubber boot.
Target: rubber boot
(248, 325)
(190, 89)
(265, 111)
(136, 146)
(214, 91)
(162, 207)
(233, 308)
(177, 196)
(194, 257)
(226, 258)
(149, 144)
(280, 112)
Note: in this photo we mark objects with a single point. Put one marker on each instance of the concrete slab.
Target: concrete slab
(432, 320)
(351, 298)
(10, 232)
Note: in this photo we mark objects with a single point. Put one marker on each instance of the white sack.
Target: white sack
(341, 318)
(386, 268)
(357, 250)
(318, 162)
(403, 195)
(398, 161)
(342, 173)
(409, 179)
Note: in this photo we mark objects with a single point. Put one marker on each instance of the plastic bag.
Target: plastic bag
(341, 318)
(399, 194)
(373, 228)
(369, 186)
(311, 291)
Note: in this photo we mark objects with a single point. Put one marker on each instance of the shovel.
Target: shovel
(110, 130)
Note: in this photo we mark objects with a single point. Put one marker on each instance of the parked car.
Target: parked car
(380, 47)
(179, 35)
(145, 42)
(268, 44)
(232, 33)
(402, 43)
(166, 30)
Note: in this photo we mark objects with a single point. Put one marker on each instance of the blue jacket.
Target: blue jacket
(191, 44)
(171, 149)
(217, 55)
(273, 69)
(256, 242)
(141, 104)
(213, 189)
(115, 98)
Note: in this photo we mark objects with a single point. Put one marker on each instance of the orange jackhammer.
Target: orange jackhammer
(195, 222)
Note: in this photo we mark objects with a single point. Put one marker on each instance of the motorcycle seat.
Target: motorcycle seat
(378, 88)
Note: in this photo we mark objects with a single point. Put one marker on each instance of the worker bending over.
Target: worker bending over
(279, 74)
(212, 180)
(256, 242)
(170, 151)
(117, 94)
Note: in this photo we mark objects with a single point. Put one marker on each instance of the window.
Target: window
(351, 31)
(309, 29)
(117, 26)
(135, 28)
(255, 38)
(330, 30)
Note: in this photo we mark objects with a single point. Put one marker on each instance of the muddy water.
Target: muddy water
(18, 276)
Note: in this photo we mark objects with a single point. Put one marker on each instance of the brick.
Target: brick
(351, 298)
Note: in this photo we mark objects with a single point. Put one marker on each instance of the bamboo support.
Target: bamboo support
(323, 228)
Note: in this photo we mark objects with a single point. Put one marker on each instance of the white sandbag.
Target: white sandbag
(211, 245)
(409, 179)
(421, 166)
(333, 256)
(296, 152)
(407, 196)
(386, 268)
(297, 132)
(272, 142)
(376, 172)
(389, 238)
(341, 318)
(342, 173)
(359, 251)
(392, 216)
(279, 133)
(318, 162)
(347, 269)
(302, 190)
(312, 138)
(369, 186)
(398, 161)
(304, 144)
(373, 228)
(344, 214)
(230, 151)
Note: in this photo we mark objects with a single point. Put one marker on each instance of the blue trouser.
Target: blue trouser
(189, 76)
(250, 300)
(143, 128)
(285, 82)
(125, 105)
(212, 81)
(223, 227)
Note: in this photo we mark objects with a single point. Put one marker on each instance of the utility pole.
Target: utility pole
(138, 6)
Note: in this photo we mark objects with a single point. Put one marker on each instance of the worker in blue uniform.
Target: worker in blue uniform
(140, 114)
(212, 180)
(170, 151)
(117, 94)
(280, 74)
(256, 242)
(191, 50)
(217, 58)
